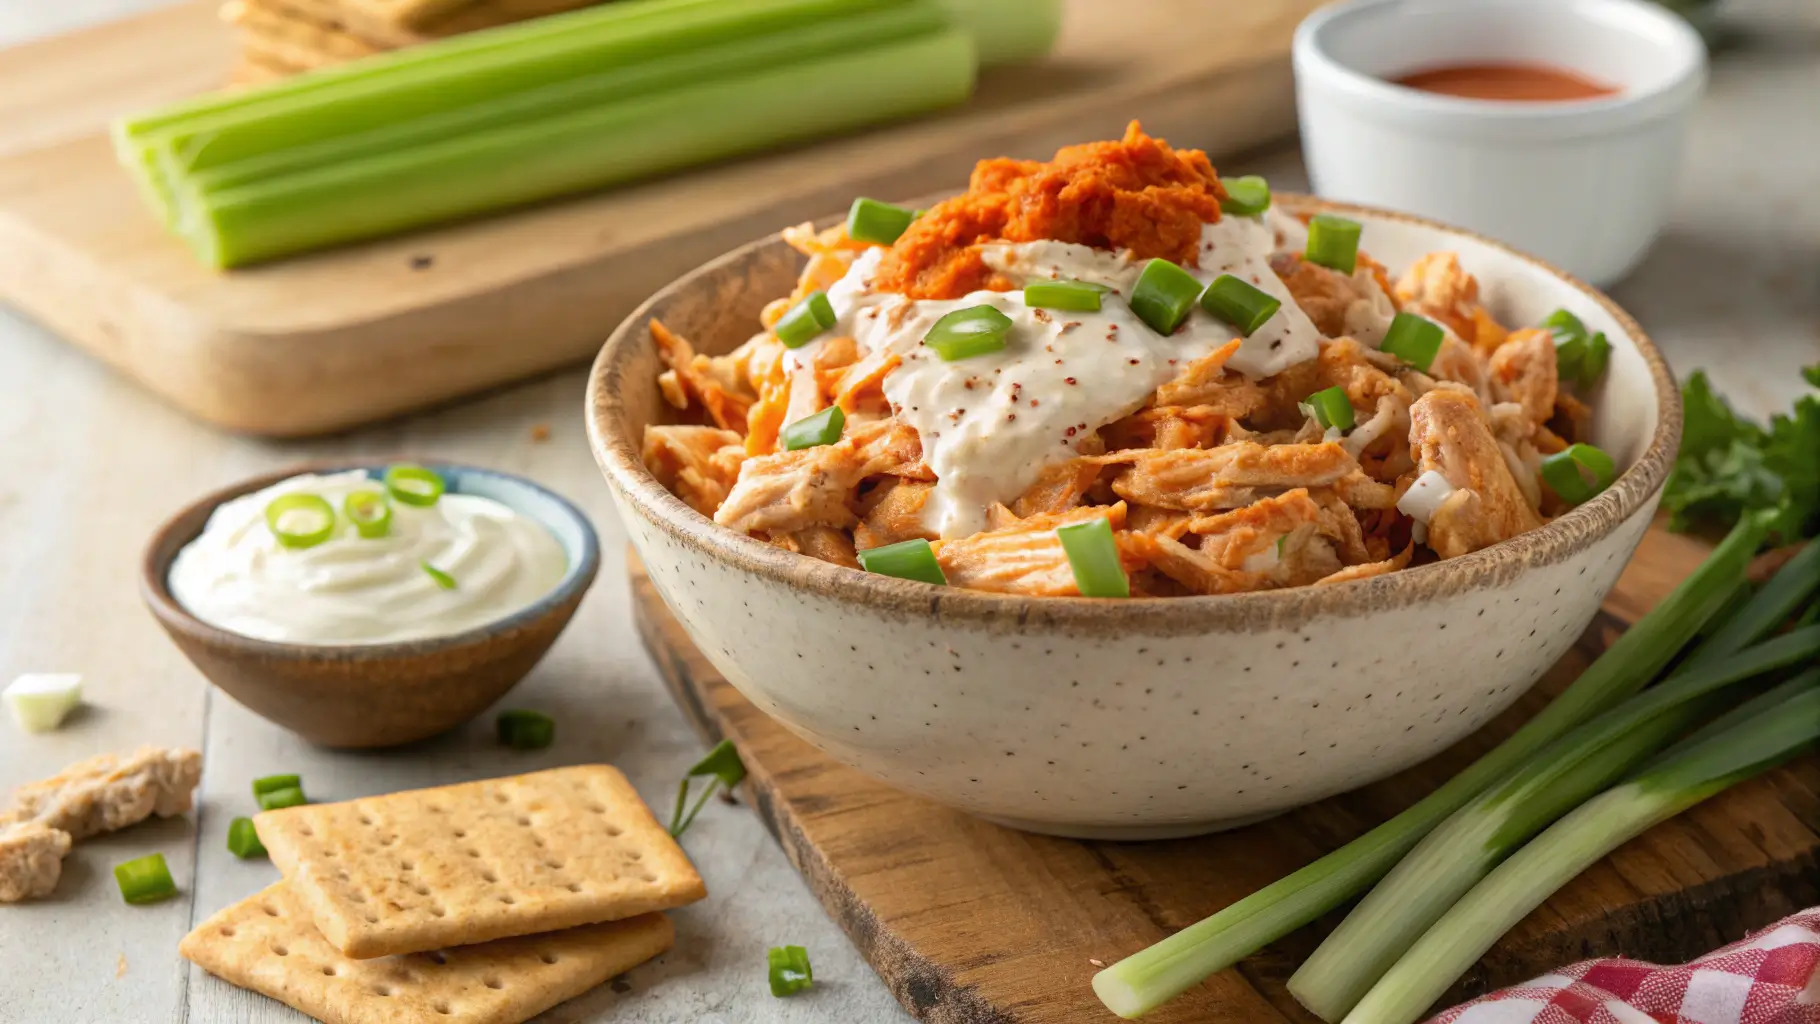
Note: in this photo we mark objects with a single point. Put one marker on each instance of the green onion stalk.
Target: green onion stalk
(1758, 736)
(1147, 979)
(1467, 846)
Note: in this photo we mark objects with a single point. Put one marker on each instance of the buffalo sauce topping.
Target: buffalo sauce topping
(1529, 83)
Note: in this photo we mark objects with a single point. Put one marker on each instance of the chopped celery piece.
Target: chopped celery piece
(40, 701)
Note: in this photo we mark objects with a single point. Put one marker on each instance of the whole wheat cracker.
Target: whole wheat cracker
(275, 37)
(337, 15)
(432, 868)
(268, 943)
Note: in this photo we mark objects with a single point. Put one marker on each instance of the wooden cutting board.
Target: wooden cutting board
(331, 340)
(972, 923)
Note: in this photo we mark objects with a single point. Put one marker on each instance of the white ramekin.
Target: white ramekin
(1583, 184)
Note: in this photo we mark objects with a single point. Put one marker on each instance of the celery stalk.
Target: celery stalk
(1762, 734)
(1468, 845)
(617, 84)
(1146, 979)
(1008, 31)
(573, 151)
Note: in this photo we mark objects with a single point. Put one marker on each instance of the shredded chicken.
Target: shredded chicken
(1214, 483)
(31, 859)
(111, 791)
(1450, 434)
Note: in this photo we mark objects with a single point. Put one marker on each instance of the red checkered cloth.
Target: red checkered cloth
(1768, 978)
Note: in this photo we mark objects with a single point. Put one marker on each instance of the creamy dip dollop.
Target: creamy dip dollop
(351, 589)
(990, 424)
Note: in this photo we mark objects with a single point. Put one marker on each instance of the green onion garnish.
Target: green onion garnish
(300, 520)
(1580, 356)
(243, 839)
(1247, 196)
(1093, 554)
(965, 333)
(525, 730)
(272, 783)
(907, 560)
(145, 880)
(805, 320)
(1578, 472)
(869, 220)
(1564, 326)
(1239, 303)
(414, 485)
(814, 430)
(1164, 295)
(443, 579)
(1598, 354)
(1145, 980)
(1333, 242)
(274, 799)
(789, 970)
(727, 769)
(370, 513)
(1075, 296)
(1331, 408)
(1415, 339)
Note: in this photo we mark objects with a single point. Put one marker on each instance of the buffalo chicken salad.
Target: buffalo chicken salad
(1115, 374)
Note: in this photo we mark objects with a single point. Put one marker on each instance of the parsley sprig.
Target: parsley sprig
(1730, 465)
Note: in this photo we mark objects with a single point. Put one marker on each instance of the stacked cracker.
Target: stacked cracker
(487, 902)
(283, 37)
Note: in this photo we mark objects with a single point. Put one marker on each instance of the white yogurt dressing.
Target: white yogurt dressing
(990, 424)
(351, 589)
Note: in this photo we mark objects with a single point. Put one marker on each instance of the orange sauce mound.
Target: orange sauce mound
(1137, 193)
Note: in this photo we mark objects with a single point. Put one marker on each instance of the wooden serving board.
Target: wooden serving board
(973, 923)
(331, 340)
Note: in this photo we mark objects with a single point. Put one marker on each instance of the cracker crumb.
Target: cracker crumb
(1094, 962)
(540, 432)
(120, 966)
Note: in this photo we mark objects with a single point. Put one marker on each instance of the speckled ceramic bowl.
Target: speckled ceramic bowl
(1150, 717)
(378, 695)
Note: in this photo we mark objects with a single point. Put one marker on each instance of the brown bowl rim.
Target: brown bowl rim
(162, 548)
(620, 461)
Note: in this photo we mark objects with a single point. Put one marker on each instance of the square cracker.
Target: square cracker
(432, 868)
(267, 943)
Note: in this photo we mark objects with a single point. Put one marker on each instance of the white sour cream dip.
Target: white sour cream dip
(991, 424)
(351, 589)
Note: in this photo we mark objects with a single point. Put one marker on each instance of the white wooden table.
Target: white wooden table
(89, 465)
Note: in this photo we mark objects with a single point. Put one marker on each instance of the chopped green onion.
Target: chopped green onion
(1147, 979)
(279, 798)
(1598, 355)
(1093, 554)
(414, 485)
(1247, 196)
(370, 513)
(273, 783)
(910, 559)
(300, 520)
(443, 579)
(1415, 339)
(1075, 296)
(814, 430)
(243, 839)
(869, 220)
(145, 880)
(1333, 242)
(1761, 735)
(525, 730)
(1578, 472)
(1164, 295)
(965, 333)
(1331, 408)
(1464, 848)
(1240, 304)
(789, 970)
(805, 320)
(1580, 357)
(1564, 326)
(727, 769)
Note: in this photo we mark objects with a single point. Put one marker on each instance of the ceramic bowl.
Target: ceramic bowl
(377, 695)
(1584, 184)
(1147, 717)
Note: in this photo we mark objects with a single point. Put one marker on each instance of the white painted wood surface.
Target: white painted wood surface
(89, 465)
